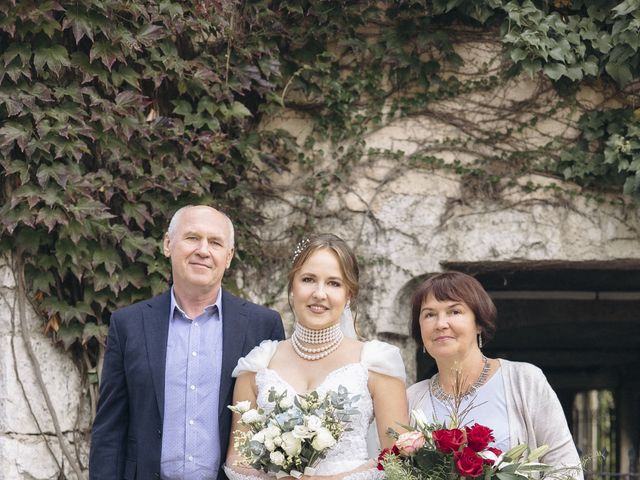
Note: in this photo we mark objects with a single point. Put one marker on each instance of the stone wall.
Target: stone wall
(404, 219)
(29, 447)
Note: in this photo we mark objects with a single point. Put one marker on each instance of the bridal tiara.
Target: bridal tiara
(302, 244)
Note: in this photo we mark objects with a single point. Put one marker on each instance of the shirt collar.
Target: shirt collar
(174, 305)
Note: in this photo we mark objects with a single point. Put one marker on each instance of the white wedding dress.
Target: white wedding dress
(350, 451)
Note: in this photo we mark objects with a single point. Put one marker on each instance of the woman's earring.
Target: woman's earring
(424, 349)
(480, 341)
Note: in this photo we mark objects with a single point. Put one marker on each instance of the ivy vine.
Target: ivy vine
(115, 113)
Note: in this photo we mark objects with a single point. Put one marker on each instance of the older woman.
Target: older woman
(453, 316)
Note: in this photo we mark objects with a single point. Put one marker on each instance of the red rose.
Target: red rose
(448, 441)
(478, 437)
(383, 455)
(468, 463)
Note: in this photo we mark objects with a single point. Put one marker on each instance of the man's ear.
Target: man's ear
(230, 257)
(165, 245)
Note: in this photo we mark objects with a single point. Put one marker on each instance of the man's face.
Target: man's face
(199, 249)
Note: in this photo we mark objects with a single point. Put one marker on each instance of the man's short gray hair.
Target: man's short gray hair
(175, 219)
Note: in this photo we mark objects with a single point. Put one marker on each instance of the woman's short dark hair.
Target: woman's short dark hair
(460, 287)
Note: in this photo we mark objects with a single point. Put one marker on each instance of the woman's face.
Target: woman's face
(448, 328)
(318, 290)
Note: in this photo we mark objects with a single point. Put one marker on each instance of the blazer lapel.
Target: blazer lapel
(156, 331)
(234, 324)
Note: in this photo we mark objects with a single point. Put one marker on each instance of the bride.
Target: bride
(323, 285)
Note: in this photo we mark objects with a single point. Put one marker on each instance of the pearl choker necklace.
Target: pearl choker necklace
(330, 339)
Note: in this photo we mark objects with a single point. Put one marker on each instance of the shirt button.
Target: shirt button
(190, 458)
(194, 354)
(190, 422)
(197, 324)
(192, 387)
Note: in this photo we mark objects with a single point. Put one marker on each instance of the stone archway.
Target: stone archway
(580, 323)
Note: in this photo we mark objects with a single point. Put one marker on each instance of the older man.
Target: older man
(166, 380)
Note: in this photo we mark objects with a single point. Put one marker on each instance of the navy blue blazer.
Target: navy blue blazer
(126, 440)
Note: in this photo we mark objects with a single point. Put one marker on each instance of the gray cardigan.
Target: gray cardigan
(535, 414)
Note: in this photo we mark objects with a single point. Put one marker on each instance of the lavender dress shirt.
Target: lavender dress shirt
(190, 442)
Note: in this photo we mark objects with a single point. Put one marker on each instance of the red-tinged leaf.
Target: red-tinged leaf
(129, 98)
(106, 53)
(149, 34)
(14, 132)
(108, 257)
(51, 218)
(54, 58)
(125, 74)
(138, 212)
(17, 49)
(79, 24)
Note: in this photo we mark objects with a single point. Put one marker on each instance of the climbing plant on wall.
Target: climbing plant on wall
(114, 113)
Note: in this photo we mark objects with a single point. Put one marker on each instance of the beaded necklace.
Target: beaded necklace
(437, 391)
(330, 339)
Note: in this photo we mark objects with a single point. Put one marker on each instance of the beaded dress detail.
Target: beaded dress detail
(351, 450)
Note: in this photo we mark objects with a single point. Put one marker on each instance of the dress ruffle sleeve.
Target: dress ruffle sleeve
(257, 359)
(381, 357)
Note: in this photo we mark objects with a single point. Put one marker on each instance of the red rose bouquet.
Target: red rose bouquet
(430, 452)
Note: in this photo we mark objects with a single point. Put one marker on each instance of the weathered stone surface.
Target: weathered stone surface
(34, 457)
(24, 414)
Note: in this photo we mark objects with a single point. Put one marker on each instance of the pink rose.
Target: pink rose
(409, 442)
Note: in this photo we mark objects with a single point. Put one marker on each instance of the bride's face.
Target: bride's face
(318, 290)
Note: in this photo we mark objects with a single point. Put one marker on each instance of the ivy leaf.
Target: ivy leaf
(97, 331)
(517, 55)
(239, 110)
(619, 72)
(555, 70)
(55, 58)
(150, 33)
(69, 333)
(79, 24)
(125, 74)
(106, 52)
(14, 132)
(17, 49)
(625, 8)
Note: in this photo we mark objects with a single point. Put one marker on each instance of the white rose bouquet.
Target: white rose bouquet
(296, 434)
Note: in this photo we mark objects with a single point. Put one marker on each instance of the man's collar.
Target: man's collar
(174, 304)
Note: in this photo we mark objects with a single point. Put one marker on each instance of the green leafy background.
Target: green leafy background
(115, 113)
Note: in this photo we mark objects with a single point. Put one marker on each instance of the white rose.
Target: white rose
(277, 458)
(268, 443)
(301, 431)
(323, 440)
(251, 416)
(258, 437)
(277, 441)
(272, 431)
(314, 423)
(242, 407)
(285, 403)
(290, 444)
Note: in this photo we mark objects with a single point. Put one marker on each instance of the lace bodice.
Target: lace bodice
(351, 450)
